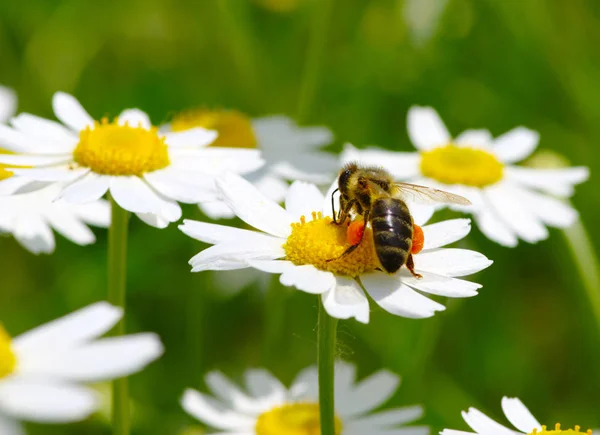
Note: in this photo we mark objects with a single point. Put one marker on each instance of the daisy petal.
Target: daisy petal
(52, 173)
(154, 220)
(308, 278)
(134, 195)
(519, 416)
(345, 300)
(270, 185)
(194, 137)
(15, 184)
(214, 233)
(45, 401)
(426, 129)
(88, 188)
(482, 424)
(228, 392)
(451, 261)
(75, 328)
(103, 359)
(216, 210)
(212, 412)
(69, 226)
(95, 213)
(306, 385)
(386, 419)
(455, 432)
(302, 199)
(262, 384)
(558, 182)
(397, 298)
(368, 394)
(71, 112)
(16, 141)
(474, 138)
(266, 248)
(345, 376)
(8, 104)
(34, 159)
(135, 118)
(253, 207)
(441, 285)
(62, 139)
(403, 166)
(445, 232)
(495, 229)
(516, 145)
(551, 211)
(175, 185)
(10, 427)
(34, 234)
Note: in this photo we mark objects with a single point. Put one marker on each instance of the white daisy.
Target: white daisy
(267, 407)
(290, 152)
(509, 202)
(40, 370)
(301, 250)
(144, 171)
(30, 218)
(517, 414)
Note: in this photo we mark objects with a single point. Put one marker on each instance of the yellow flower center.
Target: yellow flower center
(8, 361)
(234, 128)
(113, 149)
(322, 244)
(452, 164)
(557, 431)
(5, 171)
(293, 419)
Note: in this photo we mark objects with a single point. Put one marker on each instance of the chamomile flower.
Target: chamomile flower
(299, 247)
(266, 407)
(41, 370)
(290, 152)
(509, 202)
(518, 415)
(146, 172)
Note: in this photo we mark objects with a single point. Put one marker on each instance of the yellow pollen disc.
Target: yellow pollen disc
(293, 419)
(452, 164)
(317, 241)
(234, 128)
(8, 361)
(558, 431)
(5, 171)
(112, 149)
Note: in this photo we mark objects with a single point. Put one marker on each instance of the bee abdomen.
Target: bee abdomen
(392, 232)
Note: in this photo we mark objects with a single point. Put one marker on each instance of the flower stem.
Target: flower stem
(325, 359)
(586, 262)
(316, 48)
(117, 270)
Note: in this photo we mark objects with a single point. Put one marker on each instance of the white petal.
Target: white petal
(68, 331)
(18, 142)
(135, 118)
(88, 188)
(474, 139)
(305, 386)
(214, 233)
(45, 401)
(440, 285)
(34, 159)
(451, 261)
(445, 232)
(134, 195)
(104, 359)
(403, 166)
(65, 222)
(262, 384)
(518, 414)
(421, 213)
(308, 278)
(221, 255)
(516, 145)
(229, 393)
(71, 112)
(216, 210)
(194, 137)
(314, 167)
(397, 298)
(504, 198)
(95, 213)
(213, 413)
(346, 300)
(551, 211)
(368, 394)
(34, 234)
(455, 432)
(345, 376)
(385, 419)
(177, 185)
(494, 228)
(10, 427)
(16, 184)
(302, 199)
(216, 161)
(426, 129)
(52, 173)
(8, 103)
(272, 186)
(273, 132)
(253, 207)
(558, 182)
(484, 425)
(57, 137)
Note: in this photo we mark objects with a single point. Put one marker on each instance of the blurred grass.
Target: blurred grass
(493, 64)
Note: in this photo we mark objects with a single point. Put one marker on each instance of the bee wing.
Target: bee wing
(427, 195)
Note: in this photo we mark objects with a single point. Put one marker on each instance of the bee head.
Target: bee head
(345, 177)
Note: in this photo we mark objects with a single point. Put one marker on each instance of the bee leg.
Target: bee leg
(344, 212)
(353, 247)
(410, 265)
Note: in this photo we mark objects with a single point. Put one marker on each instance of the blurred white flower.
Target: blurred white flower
(518, 415)
(8, 103)
(509, 202)
(30, 218)
(301, 251)
(290, 152)
(267, 407)
(146, 172)
(40, 370)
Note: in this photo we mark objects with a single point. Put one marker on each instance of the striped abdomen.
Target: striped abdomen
(392, 232)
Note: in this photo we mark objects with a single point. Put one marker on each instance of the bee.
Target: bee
(372, 193)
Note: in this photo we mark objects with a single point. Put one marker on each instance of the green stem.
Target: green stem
(586, 262)
(275, 312)
(117, 271)
(325, 360)
(316, 48)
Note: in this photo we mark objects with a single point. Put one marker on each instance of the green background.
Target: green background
(490, 64)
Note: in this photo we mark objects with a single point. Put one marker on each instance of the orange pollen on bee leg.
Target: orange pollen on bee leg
(418, 239)
(355, 231)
